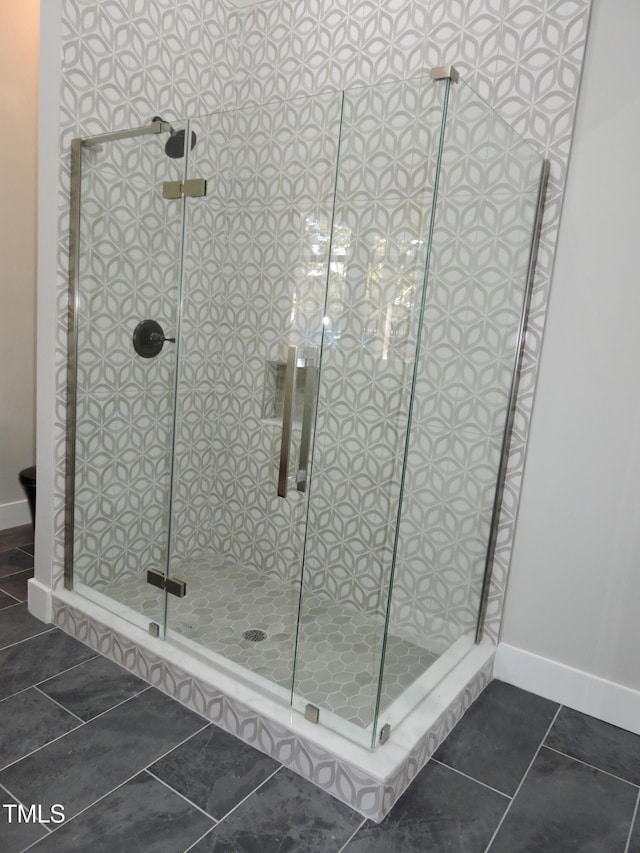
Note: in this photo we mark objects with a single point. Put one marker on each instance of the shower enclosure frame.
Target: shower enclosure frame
(73, 307)
(77, 144)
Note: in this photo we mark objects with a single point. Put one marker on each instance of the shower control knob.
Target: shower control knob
(149, 338)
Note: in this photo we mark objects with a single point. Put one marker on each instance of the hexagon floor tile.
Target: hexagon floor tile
(339, 647)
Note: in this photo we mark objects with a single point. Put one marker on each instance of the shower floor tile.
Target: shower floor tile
(339, 649)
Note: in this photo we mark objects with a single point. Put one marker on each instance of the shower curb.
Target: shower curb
(370, 783)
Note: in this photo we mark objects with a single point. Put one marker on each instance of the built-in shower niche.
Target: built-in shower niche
(274, 391)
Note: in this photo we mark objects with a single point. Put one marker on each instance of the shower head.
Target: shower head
(175, 143)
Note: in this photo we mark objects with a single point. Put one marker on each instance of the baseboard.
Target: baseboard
(40, 601)
(14, 514)
(574, 688)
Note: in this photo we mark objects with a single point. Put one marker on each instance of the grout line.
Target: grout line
(198, 840)
(115, 788)
(44, 825)
(255, 790)
(77, 728)
(102, 713)
(64, 671)
(471, 778)
(10, 595)
(39, 748)
(636, 814)
(591, 766)
(86, 808)
(182, 796)
(16, 572)
(17, 693)
(59, 704)
(526, 773)
(44, 680)
(25, 639)
(17, 547)
(22, 547)
(353, 835)
(182, 742)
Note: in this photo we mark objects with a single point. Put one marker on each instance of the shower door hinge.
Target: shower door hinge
(385, 733)
(194, 188)
(173, 585)
(311, 713)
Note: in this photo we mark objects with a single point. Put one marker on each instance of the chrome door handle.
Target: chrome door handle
(287, 419)
(308, 411)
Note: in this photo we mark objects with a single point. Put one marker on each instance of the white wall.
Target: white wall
(573, 596)
(18, 108)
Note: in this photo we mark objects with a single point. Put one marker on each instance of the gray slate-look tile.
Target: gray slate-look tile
(28, 549)
(286, 814)
(215, 770)
(14, 537)
(634, 841)
(93, 687)
(38, 658)
(14, 560)
(18, 624)
(7, 600)
(28, 721)
(605, 746)
(498, 736)
(142, 815)
(14, 836)
(16, 585)
(565, 806)
(441, 812)
(95, 758)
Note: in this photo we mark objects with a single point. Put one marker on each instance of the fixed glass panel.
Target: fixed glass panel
(379, 243)
(129, 248)
(255, 275)
(475, 295)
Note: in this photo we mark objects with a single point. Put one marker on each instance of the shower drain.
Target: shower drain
(254, 635)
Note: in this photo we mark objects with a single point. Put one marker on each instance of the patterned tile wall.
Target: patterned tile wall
(129, 271)
(124, 62)
(477, 277)
(384, 193)
(263, 289)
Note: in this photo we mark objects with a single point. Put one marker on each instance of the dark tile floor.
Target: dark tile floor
(132, 770)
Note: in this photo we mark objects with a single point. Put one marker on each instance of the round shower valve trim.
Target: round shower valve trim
(149, 338)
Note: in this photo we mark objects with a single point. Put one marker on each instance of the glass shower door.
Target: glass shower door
(385, 193)
(255, 276)
(126, 270)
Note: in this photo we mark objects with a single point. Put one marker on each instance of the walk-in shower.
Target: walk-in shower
(293, 364)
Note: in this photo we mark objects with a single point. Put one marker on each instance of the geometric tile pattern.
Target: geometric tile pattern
(123, 64)
(271, 171)
(384, 192)
(371, 796)
(475, 293)
(258, 288)
(129, 271)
